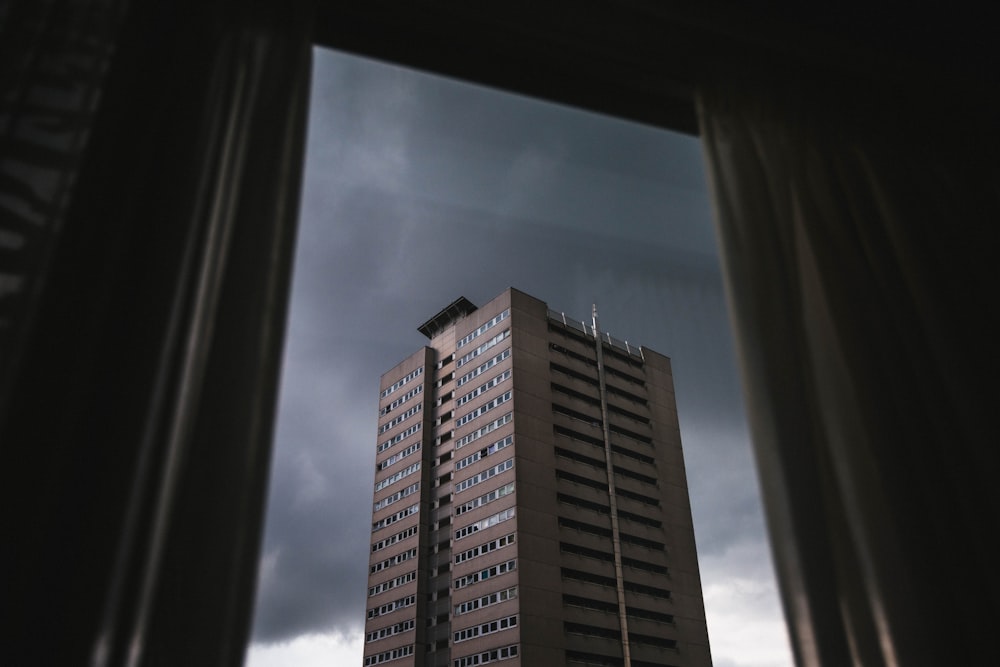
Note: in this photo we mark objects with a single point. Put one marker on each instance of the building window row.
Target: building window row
(488, 628)
(398, 456)
(628, 413)
(499, 338)
(483, 388)
(399, 437)
(401, 580)
(487, 600)
(581, 480)
(637, 476)
(644, 439)
(396, 497)
(395, 477)
(409, 554)
(649, 615)
(609, 558)
(589, 603)
(632, 495)
(498, 543)
(586, 552)
(573, 393)
(398, 516)
(485, 499)
(628, 377)
(472, 375)
(643, 565)
(576, 435)
(559, 368)
(488, 573)
(483, 329)
(489, 428)
(591, 631)
(601, 580)
(401, 382)
(399, 419)
(617, 391)
(642, 542)
(584, 527)
(580, 458)
(577, 415)
(393, 539)
(584, 504)
(483, 409)
(481, 477)
(652, 591)
(597, 659)
(590, 361)
(390, 607)
(612, 608)
(387, 656)
(489, 521)
(640, 519)
(389, 631)
(484, 452)
(625, 451)
(493, 655)
(587, 577)
(402, 399)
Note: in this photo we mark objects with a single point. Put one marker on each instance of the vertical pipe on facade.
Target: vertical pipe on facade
(615, 540)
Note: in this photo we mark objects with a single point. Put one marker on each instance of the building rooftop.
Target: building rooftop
(458, 308)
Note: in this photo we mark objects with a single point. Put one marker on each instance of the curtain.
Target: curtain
(854, 230)
(135, 429)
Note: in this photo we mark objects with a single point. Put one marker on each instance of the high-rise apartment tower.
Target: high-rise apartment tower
(530, 505)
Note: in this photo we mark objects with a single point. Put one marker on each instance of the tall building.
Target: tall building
(530, 503)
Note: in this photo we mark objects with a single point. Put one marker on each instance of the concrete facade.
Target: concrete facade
(497, 534)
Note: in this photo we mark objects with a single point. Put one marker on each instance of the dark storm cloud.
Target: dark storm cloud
(417, 193)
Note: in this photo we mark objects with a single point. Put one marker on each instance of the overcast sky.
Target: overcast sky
(419, 190)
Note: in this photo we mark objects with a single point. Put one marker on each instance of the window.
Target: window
(492, 426)
(484, 452)
(399, 455)
(489, 521)
(390, 607)
(401, 382)
(394, 654)
(401, 514)
(398, 537)
(394, 560)
(471, 375)
(484, 475)
(493, 655)
(488, 573)
(399, 495)
(482, 348)
(399, 437)
(483, 329)
(483, 409)
(488, 628)
(403, 399)
(483, 388)
(484, 499)
(486, 601)
(405, 472)
(392, 583)
(486, 548)
(389, 631)
(395, 421)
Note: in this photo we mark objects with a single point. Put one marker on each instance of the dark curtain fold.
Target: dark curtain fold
(856, 242)
(137, 426)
